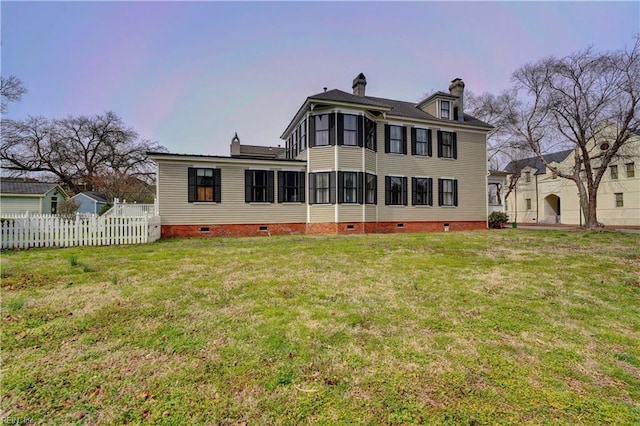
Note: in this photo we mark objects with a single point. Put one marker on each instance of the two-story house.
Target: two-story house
(540, 196)
(352, 164)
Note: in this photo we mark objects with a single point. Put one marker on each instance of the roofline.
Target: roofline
(40, 195)
(436, 95)
(224, 159)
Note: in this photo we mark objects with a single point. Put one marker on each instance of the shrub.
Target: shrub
(498, 219)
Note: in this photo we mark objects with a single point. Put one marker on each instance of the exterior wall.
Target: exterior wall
(175, 209)
(12, 204)
(86, 204)
(322, 158)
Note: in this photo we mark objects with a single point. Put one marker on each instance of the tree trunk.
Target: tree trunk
(590, 208)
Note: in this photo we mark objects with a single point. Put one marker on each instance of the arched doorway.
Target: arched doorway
(552, 208)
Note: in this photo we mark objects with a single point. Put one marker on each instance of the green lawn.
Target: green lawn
(500, 327)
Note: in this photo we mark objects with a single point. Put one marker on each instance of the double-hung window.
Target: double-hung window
(422, 193)
(350, 187)
(258, 186)
(322, 188)
(370, 132)
(614, 171)
(445, 110)
(421, 142)
(630, 170)
(447, 144)
(350, 130)
(302, 131)
(619, 199)
(203, 185)
(322, 127)
(290, 187)
(447, 192)
(395, 139)
(395, 191)
(371, 189)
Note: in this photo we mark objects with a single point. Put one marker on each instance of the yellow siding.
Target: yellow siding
(349, 158)
(370, 160)
(13, 205)
(176, 210)
(320, 213)
(321, 158)
(350, 213)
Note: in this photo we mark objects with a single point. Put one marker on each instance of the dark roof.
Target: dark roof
(261, 151)
(30, 188)
(517, 165)
(392, 106)
(96, 196)
(152, 154)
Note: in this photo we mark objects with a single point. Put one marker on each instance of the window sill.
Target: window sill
(203, 203)
(447, 158)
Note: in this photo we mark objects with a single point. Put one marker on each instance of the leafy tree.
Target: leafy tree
(83, 153)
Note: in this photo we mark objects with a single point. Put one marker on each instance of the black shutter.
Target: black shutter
(332, 188)
(248, 185)
(340, 187)
(387, 138)
(340, 129)
(191, 188)
(280, 186)
(312, 131)
(270, 186)
(404, 140)
(312, 188)
(413, 141)
(439, 143)
(387, 190)
(360, 135)
(440, 196)
(455, 145)
(375, 191)
(217, 185)
(455, 192)
(429, 152)
(430, 191)
(360, 189)
(301, 187)
(414, 191)
(404, 191)
(332, 128)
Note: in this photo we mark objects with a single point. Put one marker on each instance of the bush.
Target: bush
(498, 219)
(104, 208)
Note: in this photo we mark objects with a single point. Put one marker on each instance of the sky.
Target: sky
(189, 75)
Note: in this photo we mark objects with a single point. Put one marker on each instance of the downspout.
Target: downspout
(537, 207)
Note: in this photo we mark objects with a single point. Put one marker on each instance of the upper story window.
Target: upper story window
(447, 192)
(203, 184)
(258, 186)
(421, 191)
(614, 171)
(371, 189)
(322, 188)
(350, 187)
(350, 129)
(370, 134)
(395, 139)
(630, 170)
(447, 144)
(421, 142)
(527, 177)
(294, 149)
(395, 191)
(302, 131)
(290, 187)
(322, 127)
(528, 203)
(445, 110)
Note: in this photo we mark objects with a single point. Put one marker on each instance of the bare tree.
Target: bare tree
(81, 152)
(11, 90)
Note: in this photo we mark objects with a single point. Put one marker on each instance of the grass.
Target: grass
(502, 327)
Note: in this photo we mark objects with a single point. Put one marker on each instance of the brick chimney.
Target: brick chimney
(235, 145)
(456, 88)
(359, 84)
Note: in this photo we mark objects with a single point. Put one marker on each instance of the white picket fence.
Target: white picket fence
(27, 231)
(122, 208)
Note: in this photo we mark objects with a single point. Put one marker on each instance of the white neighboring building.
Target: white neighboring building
(541, 197)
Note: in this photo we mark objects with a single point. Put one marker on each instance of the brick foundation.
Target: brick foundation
(253, 230)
